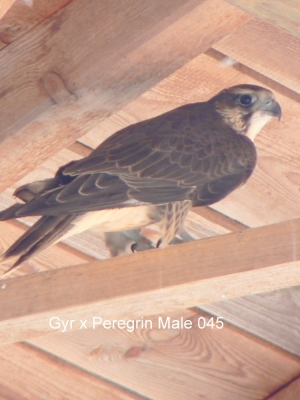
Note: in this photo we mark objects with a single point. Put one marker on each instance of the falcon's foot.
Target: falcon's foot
(143, 244)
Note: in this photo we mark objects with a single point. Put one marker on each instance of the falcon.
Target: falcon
(151, 172)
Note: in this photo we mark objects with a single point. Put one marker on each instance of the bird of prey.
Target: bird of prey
(151, 172)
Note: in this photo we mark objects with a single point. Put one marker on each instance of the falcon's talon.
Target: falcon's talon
(134, 247)
(158, 243)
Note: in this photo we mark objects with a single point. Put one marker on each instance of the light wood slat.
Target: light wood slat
(191, 363)
(5, 5)
(24, 15)
(289, 392)
(284, 13)
(251, 45)
(133, 58)
(273, 316)
(26, 372)
(244, 263)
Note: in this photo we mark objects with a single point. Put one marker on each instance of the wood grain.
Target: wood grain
(134, 57)
(183, 364)
(285, 14)
(273, 316)
(26, 372)
(250, 45)
(247, 262)
(23, 15)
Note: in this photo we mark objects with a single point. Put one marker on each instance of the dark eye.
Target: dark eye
(246, 100)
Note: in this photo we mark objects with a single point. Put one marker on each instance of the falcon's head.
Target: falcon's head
(247, 108)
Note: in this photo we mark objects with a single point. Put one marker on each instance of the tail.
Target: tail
(43, 233)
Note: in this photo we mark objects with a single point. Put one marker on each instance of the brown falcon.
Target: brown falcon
(149, 172)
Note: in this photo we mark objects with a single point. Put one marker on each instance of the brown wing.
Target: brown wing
(187, 153)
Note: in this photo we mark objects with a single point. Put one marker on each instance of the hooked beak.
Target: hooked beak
(273, 108)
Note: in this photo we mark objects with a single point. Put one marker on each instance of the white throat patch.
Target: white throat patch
(256, 123)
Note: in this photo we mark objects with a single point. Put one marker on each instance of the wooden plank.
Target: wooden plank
(5, 5)
(247, 262)
(24, 15)
(250, 45)
(285, 14)
(289, 392)
(134, 57)
(273, 316)
(26, 372)
(182, 363)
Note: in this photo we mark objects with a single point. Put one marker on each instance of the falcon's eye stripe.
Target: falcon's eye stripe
(246, 100)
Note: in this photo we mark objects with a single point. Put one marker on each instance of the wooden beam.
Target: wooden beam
(74, 71)
(151, 282)
(285, 14)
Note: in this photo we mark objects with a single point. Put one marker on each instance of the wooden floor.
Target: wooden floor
(75, 72)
